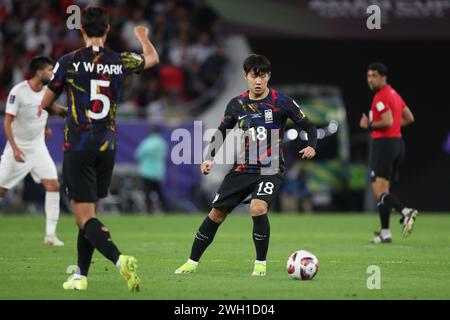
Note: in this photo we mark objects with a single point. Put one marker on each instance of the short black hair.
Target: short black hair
(95, 21)
(257, 63)
(378, 66)
(39, 63)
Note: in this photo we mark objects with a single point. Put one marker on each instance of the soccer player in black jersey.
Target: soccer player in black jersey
(92, 77)
(261, 114)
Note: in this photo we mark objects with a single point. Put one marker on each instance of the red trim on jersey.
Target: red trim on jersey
(274, 94)
(244, 94)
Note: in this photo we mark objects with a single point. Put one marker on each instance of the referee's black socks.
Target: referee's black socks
(261, 235)
(390, 201)
(85, 250)
(100, 238)
(203, 238)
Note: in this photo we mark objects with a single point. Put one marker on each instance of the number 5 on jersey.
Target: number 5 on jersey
(101, 97)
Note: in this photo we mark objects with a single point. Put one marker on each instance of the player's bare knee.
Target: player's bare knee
(51, 185)
(258, 209)
(217, 215)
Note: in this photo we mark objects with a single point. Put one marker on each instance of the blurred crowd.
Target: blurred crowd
(186, 33)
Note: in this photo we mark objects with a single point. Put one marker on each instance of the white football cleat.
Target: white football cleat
(53, 240)
(408, 222)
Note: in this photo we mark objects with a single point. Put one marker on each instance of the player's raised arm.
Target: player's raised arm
(150, 54)
(296, 114)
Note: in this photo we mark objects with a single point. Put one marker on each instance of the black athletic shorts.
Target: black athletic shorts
(87, 174)
(237, 186)
(387, 156)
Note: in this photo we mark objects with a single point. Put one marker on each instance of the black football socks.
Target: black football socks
(261, 235)
(100, 238)
(85, 251)
(203, 238)
(392, 202)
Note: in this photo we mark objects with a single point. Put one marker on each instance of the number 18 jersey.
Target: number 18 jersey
(92, 78)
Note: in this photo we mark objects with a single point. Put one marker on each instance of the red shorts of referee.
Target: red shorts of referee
(388, 114)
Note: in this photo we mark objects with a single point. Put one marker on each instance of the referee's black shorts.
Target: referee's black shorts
(386, 157)
(87, 174)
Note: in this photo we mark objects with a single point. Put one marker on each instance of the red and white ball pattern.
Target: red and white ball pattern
(302, 265)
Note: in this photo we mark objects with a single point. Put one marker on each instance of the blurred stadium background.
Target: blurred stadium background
(319, 52)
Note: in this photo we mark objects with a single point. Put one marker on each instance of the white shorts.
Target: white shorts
(38, 162)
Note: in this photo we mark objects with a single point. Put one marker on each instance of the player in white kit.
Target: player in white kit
(25, 126)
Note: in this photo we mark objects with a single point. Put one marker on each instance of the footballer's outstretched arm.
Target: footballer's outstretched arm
(214, 145)
(310, 151)
(228, 122)
(295, 113)
(151, 56)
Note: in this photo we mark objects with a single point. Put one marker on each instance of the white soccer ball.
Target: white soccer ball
(302, 265)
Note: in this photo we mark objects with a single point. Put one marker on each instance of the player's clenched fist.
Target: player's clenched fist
(141, 31)
(308, 153)
(206, 166)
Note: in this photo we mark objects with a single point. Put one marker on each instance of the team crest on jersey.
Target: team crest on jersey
(268, 115)
(12, 98)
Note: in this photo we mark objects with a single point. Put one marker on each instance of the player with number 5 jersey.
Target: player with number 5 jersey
(92, 78)
(261, 114)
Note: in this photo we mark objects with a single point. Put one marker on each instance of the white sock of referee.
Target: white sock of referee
(51, 212)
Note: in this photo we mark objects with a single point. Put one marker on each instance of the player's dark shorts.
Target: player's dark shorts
(87, 174)
(387, 156)
(237, 186)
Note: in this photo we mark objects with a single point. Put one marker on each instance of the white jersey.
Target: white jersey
(28, 130)
(30, 120)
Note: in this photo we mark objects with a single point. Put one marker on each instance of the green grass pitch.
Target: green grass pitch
(413, 268)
